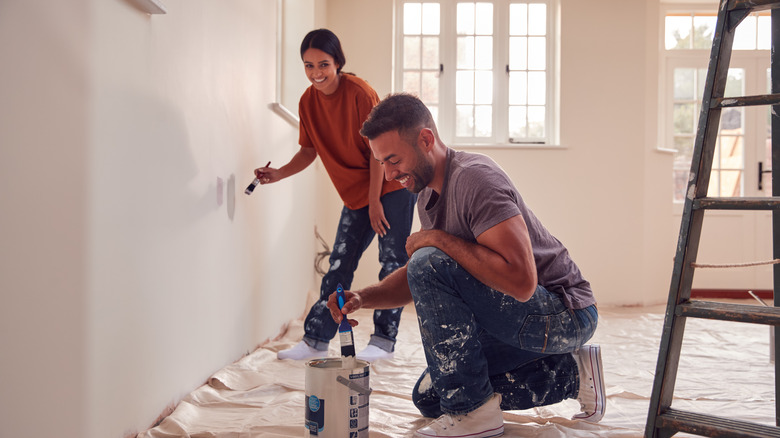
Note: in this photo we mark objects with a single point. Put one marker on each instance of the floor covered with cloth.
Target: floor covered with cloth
(725, 370)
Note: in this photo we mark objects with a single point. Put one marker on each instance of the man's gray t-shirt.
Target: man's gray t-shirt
(478, 195)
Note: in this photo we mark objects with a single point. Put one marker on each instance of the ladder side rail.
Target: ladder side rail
(690, 228)
(775, 122)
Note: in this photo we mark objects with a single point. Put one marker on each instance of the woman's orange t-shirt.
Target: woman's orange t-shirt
(331, 125)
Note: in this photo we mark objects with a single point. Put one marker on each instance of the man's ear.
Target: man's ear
(426, 135)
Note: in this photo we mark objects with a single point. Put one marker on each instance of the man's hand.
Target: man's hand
(353, 303)
(421, 239)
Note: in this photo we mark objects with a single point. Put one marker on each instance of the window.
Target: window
(687, 46)
(483, 68)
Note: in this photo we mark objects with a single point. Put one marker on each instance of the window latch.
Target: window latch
(761, 173)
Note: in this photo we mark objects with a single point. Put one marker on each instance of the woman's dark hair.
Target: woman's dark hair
(328, 42)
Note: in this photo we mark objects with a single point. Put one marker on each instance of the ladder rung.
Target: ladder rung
(756, 5)
(765, 203)
(730, 312)
(730, 102)
(710, 425)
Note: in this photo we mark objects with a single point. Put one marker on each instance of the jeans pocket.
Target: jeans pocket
(550, 334)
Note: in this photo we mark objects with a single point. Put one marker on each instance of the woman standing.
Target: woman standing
(332, 111)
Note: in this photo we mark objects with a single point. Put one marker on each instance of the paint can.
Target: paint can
(337, 399)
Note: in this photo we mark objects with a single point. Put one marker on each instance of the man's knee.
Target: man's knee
(425, 398)
(424, 261)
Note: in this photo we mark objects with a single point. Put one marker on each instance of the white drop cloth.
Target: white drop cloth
(725, 370)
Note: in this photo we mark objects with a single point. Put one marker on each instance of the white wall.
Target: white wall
(606, 194)
(133, 265)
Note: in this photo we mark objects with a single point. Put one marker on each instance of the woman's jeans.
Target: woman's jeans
(478, 341)
(353, 236)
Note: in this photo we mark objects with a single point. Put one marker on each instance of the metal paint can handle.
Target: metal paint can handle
(360, 389)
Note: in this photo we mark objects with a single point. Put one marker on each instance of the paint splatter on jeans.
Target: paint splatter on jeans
(353, 236)
(478, 341)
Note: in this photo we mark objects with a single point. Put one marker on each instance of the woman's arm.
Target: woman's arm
(301, 160)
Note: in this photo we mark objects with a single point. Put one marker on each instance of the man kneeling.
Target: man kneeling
(504, 312)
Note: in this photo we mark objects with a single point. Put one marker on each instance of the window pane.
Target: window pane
(518, 127)
(430, 19)
(412, 82)
(430, 87)
(703, 31)
(484, 19)
(731, 121)
(464, 121)
(729, 183)
(684, 84)
(735, 83)
(518, 53)
(683, 118)
(464, 87)
(434, 109)
(684, 147)
(731, 148)
(483, 121)
(536, 121)
(518, 19)
(764, 32)
(466, 52)
(537, 19)
(484, 52)
(412, 18)
(465, 19)
(430, 52)
(680, 177)
(412, 52)
(518, 89)
(537, 88)
(702, 75)
(483, 87)
(537, 53)
(677, 32)
(745, 36)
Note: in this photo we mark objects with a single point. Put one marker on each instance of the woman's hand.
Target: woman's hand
(376, 214)
(268, 175)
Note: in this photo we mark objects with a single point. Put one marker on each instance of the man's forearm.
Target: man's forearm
(393, 291)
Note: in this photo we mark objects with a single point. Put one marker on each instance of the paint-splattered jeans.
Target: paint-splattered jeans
(353, 236)
(478, 341)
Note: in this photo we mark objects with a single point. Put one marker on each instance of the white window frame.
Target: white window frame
(447, 53)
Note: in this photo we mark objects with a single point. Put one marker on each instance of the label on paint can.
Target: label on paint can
(315, 414)
(347, 408)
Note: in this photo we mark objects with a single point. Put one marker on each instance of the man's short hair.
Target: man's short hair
(400, 112)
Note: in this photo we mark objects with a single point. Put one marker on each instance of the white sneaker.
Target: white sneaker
(486, 421)
(373, 353)
(301, 351)
(592, 393)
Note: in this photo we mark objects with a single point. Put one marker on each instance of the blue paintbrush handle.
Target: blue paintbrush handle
(345, 330)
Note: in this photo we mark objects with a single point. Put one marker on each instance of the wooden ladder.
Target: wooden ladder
(662, 420)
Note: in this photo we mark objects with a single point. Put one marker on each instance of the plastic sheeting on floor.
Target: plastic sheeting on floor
(725, 370)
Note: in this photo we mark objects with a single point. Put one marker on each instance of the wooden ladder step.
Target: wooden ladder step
(755, 203)
(753, 5)
(710, 425)
(730, 102)
(729, 312)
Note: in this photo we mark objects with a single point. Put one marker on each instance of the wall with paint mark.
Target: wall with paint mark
(132, 264)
